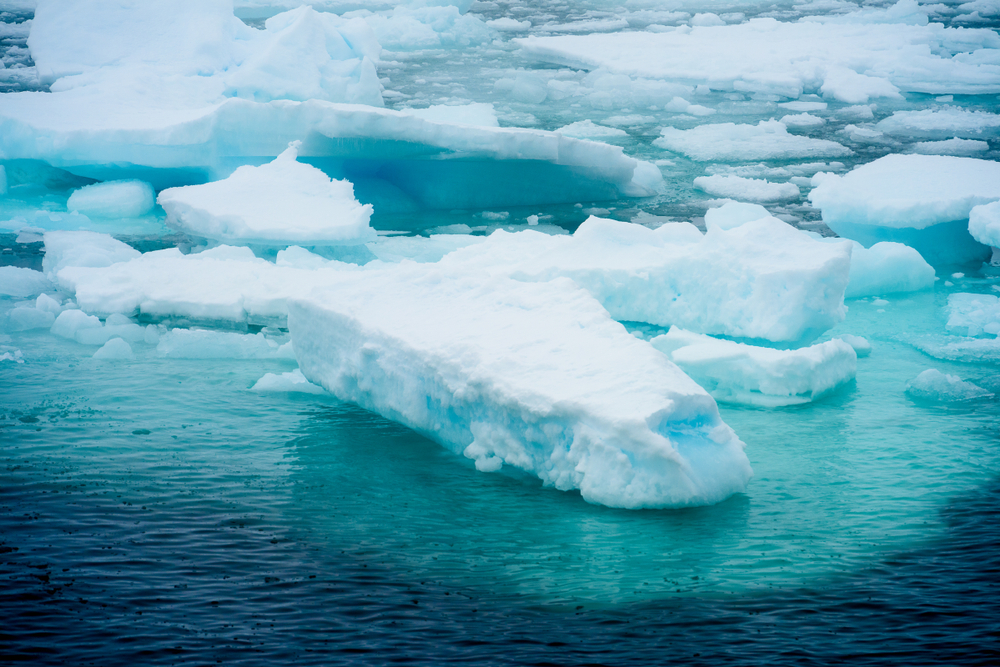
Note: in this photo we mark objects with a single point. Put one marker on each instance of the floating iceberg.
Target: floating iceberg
(767, 140)
(933, 385)
(280, 203)
(850, 61)
(740, 373)
(536, 376)
(923, 201)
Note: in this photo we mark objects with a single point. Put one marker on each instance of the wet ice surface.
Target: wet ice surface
(162, 500)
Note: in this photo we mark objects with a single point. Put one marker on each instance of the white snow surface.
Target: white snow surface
(535, 376)
(850, 61)
(907, 191)
(741, 373)
(113, 199)
(984, 223)
(944, 123)
(954, 146)
(933, 385)
(737, 142)
(279, 203)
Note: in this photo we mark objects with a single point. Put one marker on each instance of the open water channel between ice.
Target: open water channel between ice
(157, 510)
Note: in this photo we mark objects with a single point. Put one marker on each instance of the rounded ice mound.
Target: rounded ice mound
(113, 199)
(284, 202)
(933, 385)
(984, 224)
(114, 349)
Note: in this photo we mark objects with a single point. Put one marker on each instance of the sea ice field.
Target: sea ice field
(499, 332)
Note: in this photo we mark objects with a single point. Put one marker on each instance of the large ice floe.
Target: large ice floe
(852, 59)
(536, 376)
(923, 201)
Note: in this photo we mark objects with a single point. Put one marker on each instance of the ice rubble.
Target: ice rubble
(736, 142)
(933, 385)
(113, 199)
(764, 279)
(851, 61)
(280, 203)
(741, 373)
(535, 376)
(973, 314)
(921, 200)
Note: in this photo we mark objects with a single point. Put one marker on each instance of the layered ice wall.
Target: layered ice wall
(923, 201)
(535, 376)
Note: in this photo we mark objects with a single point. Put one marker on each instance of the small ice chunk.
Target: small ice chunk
(24, 319)
(803, 106)
(20, 282)
(293, 381)
(205, 344)
(283, 202)
(747, 189)
(706, 19)
(46, 303)
(113, 199)
(984, 223)
(933, 385)
(965, 350)
(861, 345)
(732, 142)
(733, 214)
(8, 353)
(954, 146)
(71, 322)
(886, 268)
(116, 348)
(740, 373)
(588, 129)
(802, 120)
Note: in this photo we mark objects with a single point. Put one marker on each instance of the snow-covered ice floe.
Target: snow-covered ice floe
(852, 60)
(281, 203)
(741, 373)
(923, 201)
(536, 376)
(736, 142)
(973, 314)
(763, 279)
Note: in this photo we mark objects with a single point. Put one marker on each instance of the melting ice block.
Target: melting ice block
(535, 376)
(933, 385)
(113, 199)
(736, 142)
(923, 201)
(280, 203)
(740, 373)
(850, 61)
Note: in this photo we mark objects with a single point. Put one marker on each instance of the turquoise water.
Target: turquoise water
(838, 485)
